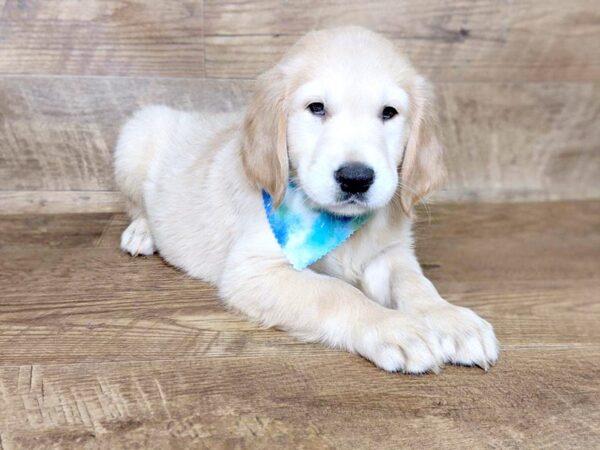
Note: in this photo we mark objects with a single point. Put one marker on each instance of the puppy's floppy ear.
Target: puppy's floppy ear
(264, 143)
(422, 167)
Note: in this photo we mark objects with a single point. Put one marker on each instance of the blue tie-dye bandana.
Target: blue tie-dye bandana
(304, 234)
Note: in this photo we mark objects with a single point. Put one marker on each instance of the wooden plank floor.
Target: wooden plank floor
(98, 349)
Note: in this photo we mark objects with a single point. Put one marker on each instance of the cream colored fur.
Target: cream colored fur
(193, 184)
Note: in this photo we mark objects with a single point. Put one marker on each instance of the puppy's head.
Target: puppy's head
(347, 118)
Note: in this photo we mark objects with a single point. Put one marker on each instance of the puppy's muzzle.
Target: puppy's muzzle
(354, 178)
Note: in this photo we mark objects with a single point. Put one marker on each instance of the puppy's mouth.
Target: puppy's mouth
(350, 205)
(352, 199)
(346, 205)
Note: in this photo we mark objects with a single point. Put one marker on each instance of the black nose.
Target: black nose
(354, 178)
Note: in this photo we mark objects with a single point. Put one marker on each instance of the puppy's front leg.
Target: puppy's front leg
(319, 308)
(395, 279)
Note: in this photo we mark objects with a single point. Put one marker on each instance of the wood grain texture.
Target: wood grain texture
(295, 402)
(478, 40)
(482, 40)
(518, 85)
(58, 133)
(60, 202)
(94, 37)
(100, 350)
(533, 141)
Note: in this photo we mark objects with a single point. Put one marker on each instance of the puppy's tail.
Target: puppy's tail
(139, 141)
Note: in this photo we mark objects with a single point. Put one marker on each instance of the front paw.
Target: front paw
(466, 338)
(398, 343)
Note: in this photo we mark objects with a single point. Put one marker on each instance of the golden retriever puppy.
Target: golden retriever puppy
(351, 123)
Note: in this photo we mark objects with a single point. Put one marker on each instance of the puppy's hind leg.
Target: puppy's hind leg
(137, 146)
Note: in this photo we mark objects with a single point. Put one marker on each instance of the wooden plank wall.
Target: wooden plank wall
(518, 83)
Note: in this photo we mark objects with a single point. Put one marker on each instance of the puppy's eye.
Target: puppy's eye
(388, 112)
(317, 108)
